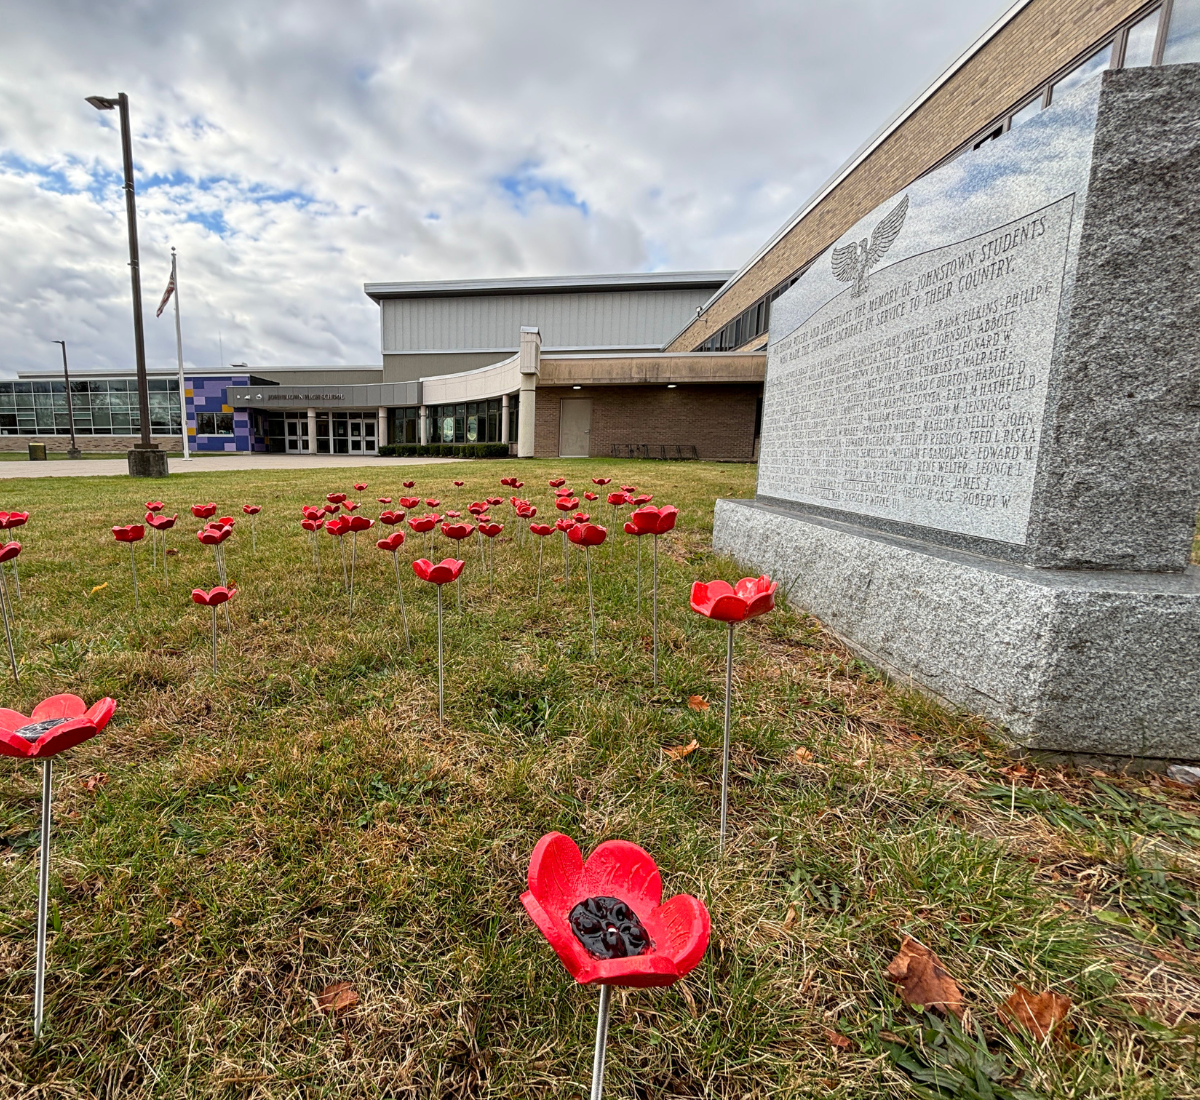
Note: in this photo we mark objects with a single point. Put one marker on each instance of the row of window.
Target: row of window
(1167, 34)
(472, 422)
(98, 407)
(214, 423)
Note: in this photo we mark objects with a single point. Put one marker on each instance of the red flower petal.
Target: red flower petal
(58, 706)
(624, 871)
(60, 738)
(680, 930)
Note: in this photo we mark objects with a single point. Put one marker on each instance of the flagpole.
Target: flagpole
(179, 354)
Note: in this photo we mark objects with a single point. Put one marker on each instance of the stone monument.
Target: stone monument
(980, 455)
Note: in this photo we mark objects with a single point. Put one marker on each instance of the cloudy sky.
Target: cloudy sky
(293, 151)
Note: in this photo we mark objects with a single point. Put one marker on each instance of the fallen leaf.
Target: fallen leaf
(697, 702)
(1041, 1014)
(923, 980)
(337, 998)
(837, 1039)
(803, 755)
(98, 588)
(678, 752)
(178, 918)
(93, 782)
(173, 553)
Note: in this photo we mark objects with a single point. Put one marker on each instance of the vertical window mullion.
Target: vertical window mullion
(1164, 25)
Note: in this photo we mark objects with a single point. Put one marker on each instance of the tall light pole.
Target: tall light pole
(74, 452)
(145, 460)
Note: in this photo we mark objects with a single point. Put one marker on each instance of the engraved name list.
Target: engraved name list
(921, 398)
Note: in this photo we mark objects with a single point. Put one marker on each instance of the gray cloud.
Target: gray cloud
(293, 151)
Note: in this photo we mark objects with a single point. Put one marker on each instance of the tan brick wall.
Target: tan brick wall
(1043, 38)
(89, 444)
(719, 420)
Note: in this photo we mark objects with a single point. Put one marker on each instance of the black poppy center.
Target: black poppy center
(35, 730)
(608, 928)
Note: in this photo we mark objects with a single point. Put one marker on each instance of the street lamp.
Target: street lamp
(145, 460)
(74, 452)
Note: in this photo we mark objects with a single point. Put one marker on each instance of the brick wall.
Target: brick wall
(719, 420)
(89, 444)
(1043, 38)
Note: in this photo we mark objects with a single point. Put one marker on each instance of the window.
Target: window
(214, 423)
(98, 407)
(1139, 41)
(1027, 112)
(1183, 35)
(1098, 62)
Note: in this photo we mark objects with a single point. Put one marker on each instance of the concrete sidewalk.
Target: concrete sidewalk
(205, 464)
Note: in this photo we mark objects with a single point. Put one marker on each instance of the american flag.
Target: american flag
(167, 294)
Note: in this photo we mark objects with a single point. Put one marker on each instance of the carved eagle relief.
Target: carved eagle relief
(852, 262)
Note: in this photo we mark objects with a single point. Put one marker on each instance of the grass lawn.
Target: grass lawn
(231, 846)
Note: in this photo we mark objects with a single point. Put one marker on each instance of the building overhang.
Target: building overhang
(553, 284)
(323, 396)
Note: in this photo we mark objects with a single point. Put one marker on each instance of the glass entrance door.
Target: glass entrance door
(354, 434)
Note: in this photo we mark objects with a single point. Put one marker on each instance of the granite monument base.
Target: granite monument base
(1096, 662)
(147, 462)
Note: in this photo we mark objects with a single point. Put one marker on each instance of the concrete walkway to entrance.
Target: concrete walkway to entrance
(204, 464)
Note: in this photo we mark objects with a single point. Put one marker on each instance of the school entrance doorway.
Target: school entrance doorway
(354, 433)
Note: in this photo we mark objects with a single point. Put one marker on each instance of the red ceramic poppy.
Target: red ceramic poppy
(421, 524)
(409, 484)
(312, 524)
(56, 724)
(458, 531)
(587, 534)
(458, 484)
(605, 918)
(214, 597)
(361, 523)
(483, 518)
(392, 543)
(251, 509)
(477, 508)
(555, 482)
(444, 572)
(493, 501)
(211, 536)
(13, 519)
(751, 597)
(161, 523)
(581, 517)
(454, 515)
(542, 529)
(618, 500)
(384, 500)
(133, 532)
(360, 487)
(9, 551)
(391, 517)
(642, 500)
(506, 481)
(491, 529)
(409, 502)
(331, 509)
(335, 498)
(601, 480)
(350, 505)
(432, 502)
(339, 526)
(654, 521)
(517, 484)
(590, 496)
(567, 504)
(564, 524)
(564, 492)
(154, 506)
(224, 521)
(629, 490)
(204, 511)
(529, 511)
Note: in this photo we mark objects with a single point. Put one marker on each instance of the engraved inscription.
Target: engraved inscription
(923, 401)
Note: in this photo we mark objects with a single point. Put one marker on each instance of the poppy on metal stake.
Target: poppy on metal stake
(56, 724)
(449, 569)
(722, 602)
(648, 520)
(9, 552)
(588, 535)
(211, 599)
(132, 533)
(392, 544)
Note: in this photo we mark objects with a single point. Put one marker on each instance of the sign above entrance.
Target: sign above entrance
(298, 398)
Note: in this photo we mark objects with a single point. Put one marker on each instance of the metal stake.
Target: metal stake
(133, 565)
(166, 579)
(541, 547)
(458, 589)
(403, 613)
(587, 556)
(6, 605)
(353, 558)
(345, 577)
(566, 561)
(601, 1043)
(655, 609)
(639, 577)
(725, 751)
(39, 986)
(17, 578)
(214, 619)
(441, 704)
